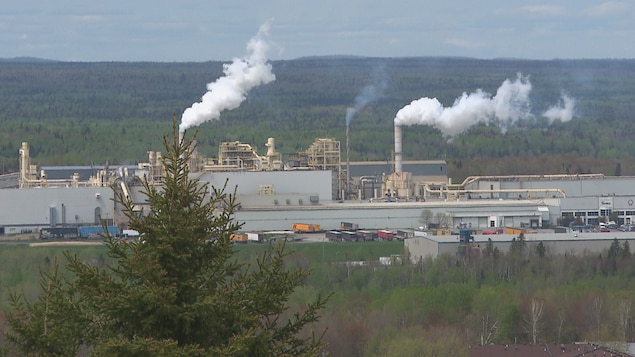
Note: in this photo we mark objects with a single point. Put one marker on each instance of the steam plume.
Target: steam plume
(228, 92)
(510, 104)
(369, 94)
(563, 111)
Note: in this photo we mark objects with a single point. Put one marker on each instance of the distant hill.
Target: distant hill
(27, 60)
(89, 113)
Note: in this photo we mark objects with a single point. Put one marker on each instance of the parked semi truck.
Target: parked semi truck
(305, 227)
(351, 236)
(83, 232)
(368, 235)
(246, 237)
(97, 231)
(348, 226)
(59, 232)
(333, 236)
(384, 234)
(239, 237)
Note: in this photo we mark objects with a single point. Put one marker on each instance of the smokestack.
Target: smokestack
(348, 165)
(398, 159)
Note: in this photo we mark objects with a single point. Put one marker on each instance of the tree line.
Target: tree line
(526, 295)
(78, 113)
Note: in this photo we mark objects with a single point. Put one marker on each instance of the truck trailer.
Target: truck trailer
(305, 227)
(86, 232)
(384, 234)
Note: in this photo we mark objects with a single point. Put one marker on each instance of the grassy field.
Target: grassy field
(21, 263)
(331, 251)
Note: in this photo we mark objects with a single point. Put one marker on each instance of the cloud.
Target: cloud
(548, 10)
(610, 8)
(461, 43)
(88, 18)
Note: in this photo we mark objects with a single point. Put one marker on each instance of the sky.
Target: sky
(212, 30)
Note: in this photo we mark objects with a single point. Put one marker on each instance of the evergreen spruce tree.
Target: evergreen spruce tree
(178, 291)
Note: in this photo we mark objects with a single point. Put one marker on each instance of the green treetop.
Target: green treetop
(178, 291)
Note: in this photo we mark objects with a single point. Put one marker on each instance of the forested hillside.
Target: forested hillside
(526, 295)
(93, 113)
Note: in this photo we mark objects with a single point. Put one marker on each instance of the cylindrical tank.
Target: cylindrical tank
(25, 164)
(151, 158)
(24, 158)
(271, 147)
(398, 159)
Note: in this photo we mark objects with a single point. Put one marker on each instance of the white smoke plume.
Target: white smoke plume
(563, 111)
(510, 104)
(369, 93)
(230, 91)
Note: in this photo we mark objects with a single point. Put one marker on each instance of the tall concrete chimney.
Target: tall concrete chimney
(398, 158)
(348, 166)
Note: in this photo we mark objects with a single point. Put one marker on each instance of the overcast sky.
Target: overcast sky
(203, 30)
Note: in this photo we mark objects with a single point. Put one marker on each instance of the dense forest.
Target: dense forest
(93, 113)
(526, 295)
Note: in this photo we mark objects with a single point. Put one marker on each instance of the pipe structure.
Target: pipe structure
(398, 158)
(561, 177)
(444, 192)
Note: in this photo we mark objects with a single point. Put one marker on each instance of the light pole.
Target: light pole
(323, 239)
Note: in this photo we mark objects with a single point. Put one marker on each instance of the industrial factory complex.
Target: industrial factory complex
(317, 186)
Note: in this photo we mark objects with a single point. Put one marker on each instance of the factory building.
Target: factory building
(394, 215)
(314, 186)
(27, 210)
(570, 242)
